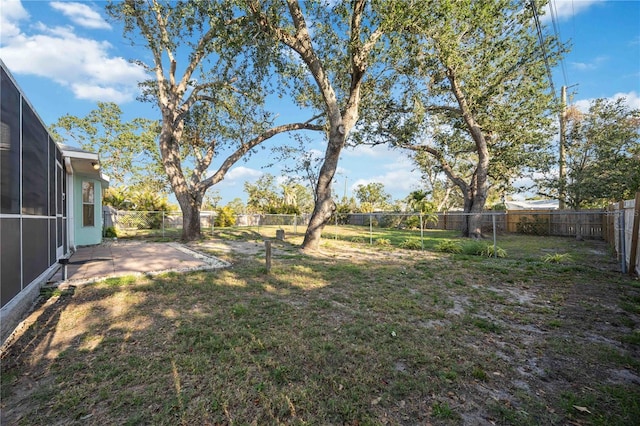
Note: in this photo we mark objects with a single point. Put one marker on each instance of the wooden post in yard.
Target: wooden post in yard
(634, 235)
(622, 239)
(267, 257)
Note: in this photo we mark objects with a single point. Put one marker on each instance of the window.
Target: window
(88, 204)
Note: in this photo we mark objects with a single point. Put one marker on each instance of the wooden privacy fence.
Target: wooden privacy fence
(622, 232)
(564, 223)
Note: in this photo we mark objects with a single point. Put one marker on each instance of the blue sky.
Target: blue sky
(66, 57)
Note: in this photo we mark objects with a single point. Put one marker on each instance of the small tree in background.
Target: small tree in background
(602, 155)
(372, 197)
(128, 152)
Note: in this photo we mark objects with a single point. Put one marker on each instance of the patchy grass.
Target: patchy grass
(356, 334)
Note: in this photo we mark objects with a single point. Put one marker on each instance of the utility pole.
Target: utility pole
(345, 187)
(563, 117)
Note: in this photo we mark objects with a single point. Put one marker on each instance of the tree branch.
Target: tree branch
(246, 147)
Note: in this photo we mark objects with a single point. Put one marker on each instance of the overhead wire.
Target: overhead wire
(536, 19)
(556, 31)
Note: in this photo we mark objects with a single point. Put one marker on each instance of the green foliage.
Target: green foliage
(372, 197)
(442, 410)
(238, 206)
(480, 248)
(556, 258)
(390, 221)
(128, 153)
(411, 245)
(412, 222)
(110, 232)
(226, 217)
(124, 198)
(449, 246)
(149, 201)
(343, 208)
(117, 197)
(601, 155)
(487, 115)
(473, 247)
(491, 251)
(283, 209)
(536, 225)
(264, 196)
(383, 242)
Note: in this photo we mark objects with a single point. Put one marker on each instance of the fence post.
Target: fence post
(295, 224)
(162, 223)
(370, 231)
(495, 243)
(634, 235)
(622, 237)
(267, 255)
(421, 233)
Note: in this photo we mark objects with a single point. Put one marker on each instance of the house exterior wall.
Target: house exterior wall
(32, 211)
(87, 235)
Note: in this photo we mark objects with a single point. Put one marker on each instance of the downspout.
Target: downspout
(70, 211)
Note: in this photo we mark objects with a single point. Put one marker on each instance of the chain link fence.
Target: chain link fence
(608, 225)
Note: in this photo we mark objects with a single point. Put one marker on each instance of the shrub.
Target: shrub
(411, 245)
(490, 251)
(383, 242)
(556, 258)
(449, 246)
(226, 217)
(110, 232)
(390, 221)
(535, 226)
(473, 247)
(412, 222)
(358, 240)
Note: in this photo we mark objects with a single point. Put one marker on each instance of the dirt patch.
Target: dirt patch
(510, 345)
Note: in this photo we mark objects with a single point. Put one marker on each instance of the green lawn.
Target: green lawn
(357, 334)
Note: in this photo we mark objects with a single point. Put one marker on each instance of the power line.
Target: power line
(556, 31)
(536, 19)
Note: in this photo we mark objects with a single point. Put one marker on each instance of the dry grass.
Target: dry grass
(357, 334)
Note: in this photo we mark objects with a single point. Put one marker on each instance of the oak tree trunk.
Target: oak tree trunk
(325, 206)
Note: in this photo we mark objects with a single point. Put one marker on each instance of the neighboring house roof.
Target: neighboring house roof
(532, 205)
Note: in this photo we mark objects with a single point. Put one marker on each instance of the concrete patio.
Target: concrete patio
(118, 258)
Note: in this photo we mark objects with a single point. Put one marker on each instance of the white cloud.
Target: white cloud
(399, 179)
(92, 92)
(632, 101)
(242, 174)
(377, 151)
(11, 13)
(83, 65)
(81, 14)
(564, 9)
(584, 66)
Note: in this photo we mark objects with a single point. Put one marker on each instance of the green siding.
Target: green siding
(87, 235)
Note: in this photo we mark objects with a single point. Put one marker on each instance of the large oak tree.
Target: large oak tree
(325, 52)
(478, 101)
(207, 88)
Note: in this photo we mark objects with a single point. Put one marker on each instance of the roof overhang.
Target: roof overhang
(85, 163)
